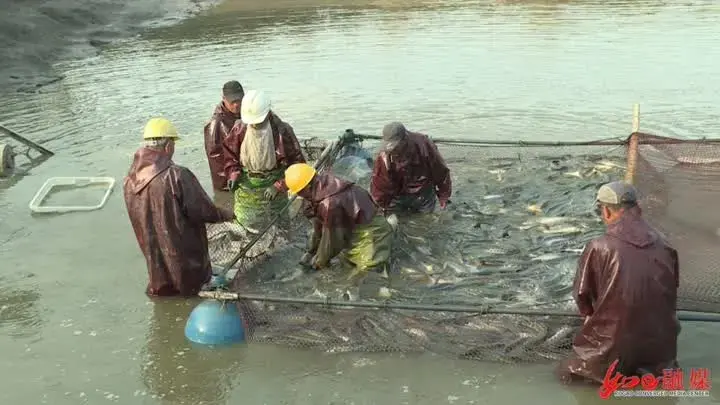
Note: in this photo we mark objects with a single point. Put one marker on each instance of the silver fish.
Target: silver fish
(563, 230)
(574, 174)
(547, 257)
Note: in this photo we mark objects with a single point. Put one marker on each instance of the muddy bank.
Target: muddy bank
(36, 34)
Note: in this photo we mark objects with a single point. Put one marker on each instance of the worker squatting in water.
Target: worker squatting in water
(344, 218)
(626, 289)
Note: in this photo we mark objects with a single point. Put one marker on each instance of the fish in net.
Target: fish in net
(511, 237)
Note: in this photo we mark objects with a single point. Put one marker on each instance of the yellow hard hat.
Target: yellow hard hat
(160, 128)
(298, 176)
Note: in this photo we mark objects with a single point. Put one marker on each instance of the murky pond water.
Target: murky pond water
(75, 325)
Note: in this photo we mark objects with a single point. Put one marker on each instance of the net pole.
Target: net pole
(633, 145)
(14, 135)
(687, 316)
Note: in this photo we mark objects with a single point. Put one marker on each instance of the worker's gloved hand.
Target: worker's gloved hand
(271, 193)
(444, 203)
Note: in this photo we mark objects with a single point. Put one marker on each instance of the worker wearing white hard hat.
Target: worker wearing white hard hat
(257, 151)
(168, 210)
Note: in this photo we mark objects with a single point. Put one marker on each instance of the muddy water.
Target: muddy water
(75, 326)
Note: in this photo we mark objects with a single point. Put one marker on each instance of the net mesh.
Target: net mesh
(678, 181)
(519, 218)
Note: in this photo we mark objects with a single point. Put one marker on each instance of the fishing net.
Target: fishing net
(489, 278)
(679, 180)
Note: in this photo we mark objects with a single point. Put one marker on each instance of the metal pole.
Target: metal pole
(632, 151)
(14, 135)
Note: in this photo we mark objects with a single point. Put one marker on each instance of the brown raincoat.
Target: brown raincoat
(626, 285)
(168, 210)
(216, 131)
(345, 216)
(287, 149)
(410, 176)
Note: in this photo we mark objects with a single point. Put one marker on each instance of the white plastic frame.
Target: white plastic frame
(35, 204)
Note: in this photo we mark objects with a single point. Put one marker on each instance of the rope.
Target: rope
(478, 309)
(350, 133)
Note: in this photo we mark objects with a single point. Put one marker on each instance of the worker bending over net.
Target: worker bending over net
(344, 217)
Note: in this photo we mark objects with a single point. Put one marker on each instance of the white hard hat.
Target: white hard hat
(255, 107)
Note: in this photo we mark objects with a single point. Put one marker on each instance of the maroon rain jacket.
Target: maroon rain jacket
(336, 207)
(216, 131)
(626, 285)
(287, 149)
(411, 169)
(168, 210)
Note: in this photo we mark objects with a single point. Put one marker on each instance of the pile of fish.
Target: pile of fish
(510, 238)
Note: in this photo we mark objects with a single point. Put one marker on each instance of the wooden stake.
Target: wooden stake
(632, 150)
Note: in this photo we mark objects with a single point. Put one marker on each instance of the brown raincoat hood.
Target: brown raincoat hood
(147, 164)
(632, 228)
(325, 186)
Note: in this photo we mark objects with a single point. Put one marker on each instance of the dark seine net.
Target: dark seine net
(490, 278)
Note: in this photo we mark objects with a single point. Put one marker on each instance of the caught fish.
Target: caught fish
(574, 174)
(547, 257)
(544, 221)
(605, 165)
(416, 239)
(443, 281)
(418, 333)
(424, 250)
(384, 292)
(498, 172)
(562, 230)
(555, 241)
(535, 209)
(493, 197)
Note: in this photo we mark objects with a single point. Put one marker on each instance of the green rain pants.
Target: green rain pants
(371, 245)
(251, 208)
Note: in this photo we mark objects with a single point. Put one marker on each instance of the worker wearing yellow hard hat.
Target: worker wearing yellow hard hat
(168, 210)
(345, 218)
(257, 152)
(160, 128)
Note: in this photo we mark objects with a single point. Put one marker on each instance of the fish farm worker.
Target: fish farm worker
(344, 217)
(223, 119)
(168, 210)
(409, 172)
(257, 152)
(626, 290)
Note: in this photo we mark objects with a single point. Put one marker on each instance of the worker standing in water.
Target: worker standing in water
(257, 152)
(223, 119)
(168, 210)
(344, 217)
(626, 289)
(409, 172)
